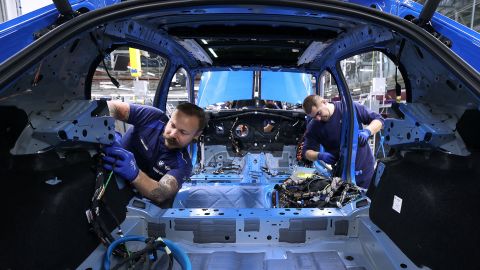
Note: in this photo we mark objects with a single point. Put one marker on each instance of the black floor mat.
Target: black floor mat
(436, 225)
(45, 226)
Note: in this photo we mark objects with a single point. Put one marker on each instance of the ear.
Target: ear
(197, 135)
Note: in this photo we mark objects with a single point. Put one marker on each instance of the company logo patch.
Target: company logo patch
(133, 165)
(158, 172)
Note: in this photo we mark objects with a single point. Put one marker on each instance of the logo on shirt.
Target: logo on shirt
(162, 166)
(161, 163)
(133, 165)
(158, 172)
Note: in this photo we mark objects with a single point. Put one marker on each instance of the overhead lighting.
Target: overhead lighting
(213, 52)
(349, 61)
(366, 70)
(295, 50)
(151, 74)
(204, 41)
(356, 89)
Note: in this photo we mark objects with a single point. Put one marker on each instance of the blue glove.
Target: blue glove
(363, 136)
(121, 162)
(117, 141)
(327, 157)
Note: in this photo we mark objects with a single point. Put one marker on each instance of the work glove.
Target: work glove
(326, 157)
(117, 141)
(121, 162)
(363, 136)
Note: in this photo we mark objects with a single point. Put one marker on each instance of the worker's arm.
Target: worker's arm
(323, 156)
(311, 155)
(373, 120)
(157, 191)
(119, 110)
(268, 128)
(123, 163)
(375, 126)
(312, 142)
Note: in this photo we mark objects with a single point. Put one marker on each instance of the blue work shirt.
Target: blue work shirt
(145, 140)
(328, 135)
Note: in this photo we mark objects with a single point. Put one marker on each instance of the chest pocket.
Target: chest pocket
(164, 163)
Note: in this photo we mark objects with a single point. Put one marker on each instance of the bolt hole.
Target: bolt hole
(62, 134)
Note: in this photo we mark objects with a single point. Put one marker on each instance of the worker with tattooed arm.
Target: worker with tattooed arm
(152, 154)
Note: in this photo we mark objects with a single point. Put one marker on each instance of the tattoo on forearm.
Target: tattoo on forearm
(166, 188)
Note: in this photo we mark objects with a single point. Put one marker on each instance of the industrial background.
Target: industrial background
(371, 76)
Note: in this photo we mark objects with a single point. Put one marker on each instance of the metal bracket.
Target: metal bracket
(420, 127)
(78, 121)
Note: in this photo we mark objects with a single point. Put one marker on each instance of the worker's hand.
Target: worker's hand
(363, 136)
(327, 157)
(117, 140)
(121, 161)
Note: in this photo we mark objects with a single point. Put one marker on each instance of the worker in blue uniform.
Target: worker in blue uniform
(325, 129)
(152, 155)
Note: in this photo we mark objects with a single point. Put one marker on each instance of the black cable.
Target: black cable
(102, 54)
(398, 88)
(151, 246)
(112, 79)
(94, 218)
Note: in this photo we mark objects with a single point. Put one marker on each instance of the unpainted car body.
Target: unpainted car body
(417, 214)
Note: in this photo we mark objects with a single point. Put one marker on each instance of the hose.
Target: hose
(114, 244)
(178, 253)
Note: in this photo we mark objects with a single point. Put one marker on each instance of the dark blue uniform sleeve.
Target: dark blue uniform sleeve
(366, 116)
(141, 115)
(311, 141)
(184, 169)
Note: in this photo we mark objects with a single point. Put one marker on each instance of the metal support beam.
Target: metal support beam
(473, 13)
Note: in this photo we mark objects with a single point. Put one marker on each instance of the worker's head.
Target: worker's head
(186, 123)
(317, 108)
(270, 104)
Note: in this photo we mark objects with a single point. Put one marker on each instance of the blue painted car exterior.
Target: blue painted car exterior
(18, 33)
(465, 42)
(352, 223)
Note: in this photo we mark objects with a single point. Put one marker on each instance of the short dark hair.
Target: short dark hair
(309, 102)
(193, 110)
